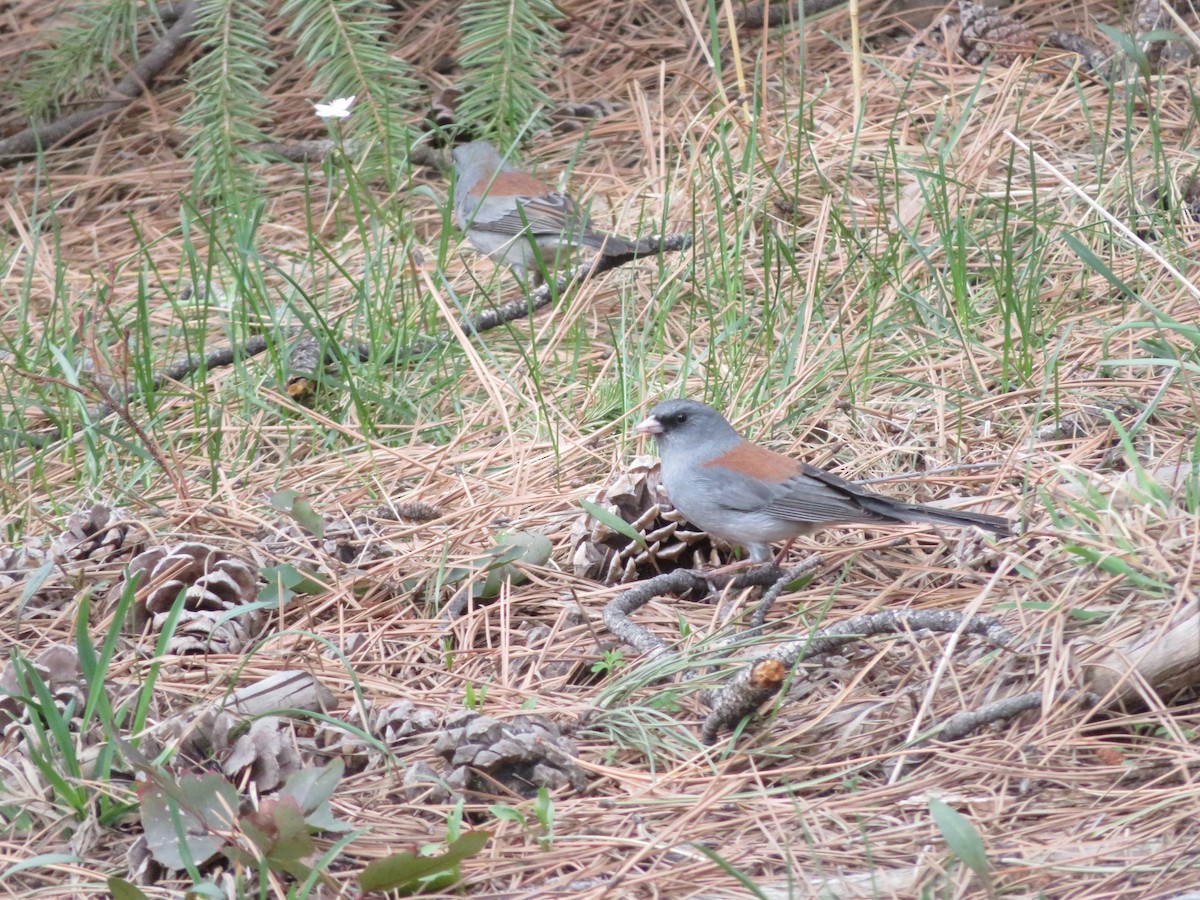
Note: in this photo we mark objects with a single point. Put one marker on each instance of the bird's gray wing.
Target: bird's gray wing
(814, 495)
(550, 214)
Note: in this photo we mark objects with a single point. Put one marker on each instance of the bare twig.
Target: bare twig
(1098, 59)
(305, 358)
(764, 677)
(68, 128)
(965, 724)
(176, 371)
(679, 582)
(759, 617)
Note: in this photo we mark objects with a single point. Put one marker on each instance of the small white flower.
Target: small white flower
(338, 109)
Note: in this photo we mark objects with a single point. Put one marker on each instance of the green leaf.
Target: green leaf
(184, 823)
(507, 814)
(1074, 612)
(35, 580)
(278, 829)
(285, 581)
(37, 862)
(290, 502)
(528, 547)
(1084, 252)
(961, 837)
(612, 520)
(124, 890)
(409, 873)
(311, 789)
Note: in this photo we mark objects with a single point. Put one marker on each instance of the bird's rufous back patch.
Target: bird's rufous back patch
(757, 462)
(510, 183)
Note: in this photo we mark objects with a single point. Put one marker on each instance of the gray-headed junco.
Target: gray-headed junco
(749, 495)
(519, 220)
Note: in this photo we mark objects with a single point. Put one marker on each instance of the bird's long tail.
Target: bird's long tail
(617, 247)
(912, 512)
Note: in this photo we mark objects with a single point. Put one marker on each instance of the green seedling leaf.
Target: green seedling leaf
(1129, 47)
(124, 890)
(290, 502)
(409, 873)
(279, 831)
(1075, 612)
(961, 837)
(610, 519)
(311, 790)
(202, 889)
(37, 862)
(527, 547)
(507, 813)
(184, 825)
(285, 581)
(1114, 565)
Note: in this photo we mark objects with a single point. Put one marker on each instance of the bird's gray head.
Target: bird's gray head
(474, 162)
(688, 425)
(476, 153)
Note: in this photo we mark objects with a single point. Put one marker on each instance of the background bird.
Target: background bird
(752, 496)
(521, 221)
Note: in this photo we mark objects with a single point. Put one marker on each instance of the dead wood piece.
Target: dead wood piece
(306, 350)
(176, 371)
(756, 683)
(1164, 660)
(774, 14)
(293, 689)
(1099, 59)
(27, 142)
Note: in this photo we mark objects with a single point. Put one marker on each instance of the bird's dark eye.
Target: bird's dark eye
(680, 418)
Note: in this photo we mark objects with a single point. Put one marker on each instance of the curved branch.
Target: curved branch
(27, 142)
(765, 676)
(307, 356)
(680, 582)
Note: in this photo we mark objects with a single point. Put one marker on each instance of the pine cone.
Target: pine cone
(987, 30)
(55, 589)
(356, 541)
(398, 725)
(58, 668)
(97, 532)
(973, 33)
(17, 562)
(637, 497)
(215, 582)
(523, 755)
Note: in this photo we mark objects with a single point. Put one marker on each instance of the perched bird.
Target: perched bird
(519, 220)
(749, 495)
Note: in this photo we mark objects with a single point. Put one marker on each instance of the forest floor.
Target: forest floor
(980, 291)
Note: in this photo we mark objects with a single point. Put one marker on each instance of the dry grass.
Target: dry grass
(880, 345)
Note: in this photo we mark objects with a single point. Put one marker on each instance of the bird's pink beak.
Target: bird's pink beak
(649, 425)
